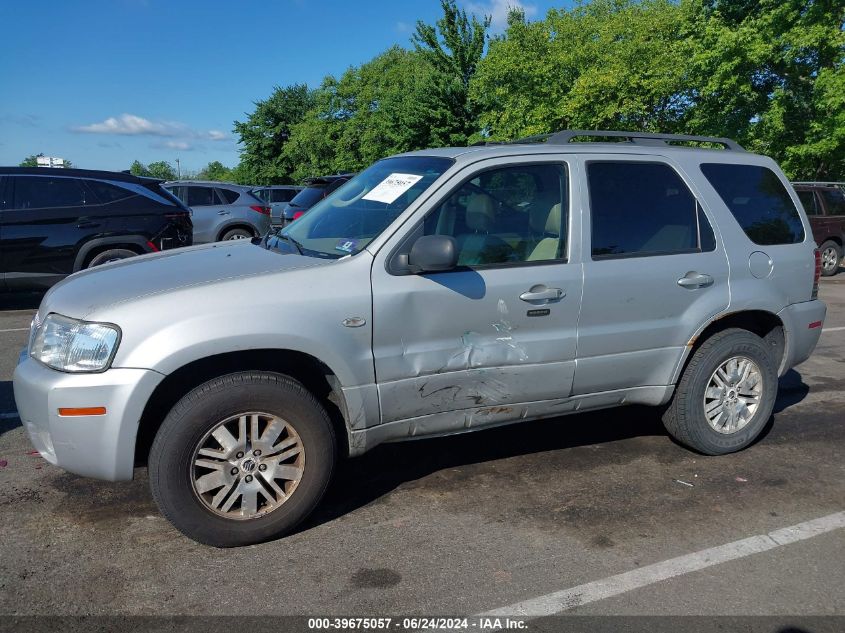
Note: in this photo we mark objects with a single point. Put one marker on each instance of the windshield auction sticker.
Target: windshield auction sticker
(392, 187)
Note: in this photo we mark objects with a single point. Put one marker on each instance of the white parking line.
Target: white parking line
(643, 576)
(834, 329)
(16, 329)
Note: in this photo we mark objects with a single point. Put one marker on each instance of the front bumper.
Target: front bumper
(801, 338)
(99, 446)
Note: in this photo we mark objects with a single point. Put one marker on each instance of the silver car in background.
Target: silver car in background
(278, 197)
(222, 211)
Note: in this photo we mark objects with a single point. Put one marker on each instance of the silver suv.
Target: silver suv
(222, 211)
(437, 292)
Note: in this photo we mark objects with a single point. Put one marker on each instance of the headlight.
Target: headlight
(72, 345)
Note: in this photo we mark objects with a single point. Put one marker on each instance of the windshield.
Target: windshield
(307, 197)
(347, 220)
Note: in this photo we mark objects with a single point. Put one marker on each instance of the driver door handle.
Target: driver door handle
(541, 295)
(694, 280)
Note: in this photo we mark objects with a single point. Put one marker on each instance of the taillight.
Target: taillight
(817, 275)
(298, 215)
(260, 209)
(153, 247)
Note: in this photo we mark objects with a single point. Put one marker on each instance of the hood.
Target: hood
(84, 292)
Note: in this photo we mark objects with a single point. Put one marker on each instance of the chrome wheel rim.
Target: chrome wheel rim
(248, 465)
(237, 236)
(733, 395)
(830, 258)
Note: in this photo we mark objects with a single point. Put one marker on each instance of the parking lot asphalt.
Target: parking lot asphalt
(467, 524)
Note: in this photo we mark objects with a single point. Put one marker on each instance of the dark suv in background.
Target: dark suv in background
(824, 203)
(55, 222)
(315, 190)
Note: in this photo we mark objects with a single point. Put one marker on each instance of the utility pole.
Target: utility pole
(178, 170)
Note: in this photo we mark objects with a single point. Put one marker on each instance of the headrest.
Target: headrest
(544, 219)
(481, 212)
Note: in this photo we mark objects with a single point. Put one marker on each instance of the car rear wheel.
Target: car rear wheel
(726, 394)
(242, 459)
(111, 255)
(831, 254)
(236, 234)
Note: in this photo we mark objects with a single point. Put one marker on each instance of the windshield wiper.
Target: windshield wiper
(290, 240)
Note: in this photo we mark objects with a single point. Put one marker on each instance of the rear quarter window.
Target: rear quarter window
(106, 192)
(758, 200)
(834, 200)
(228, 195)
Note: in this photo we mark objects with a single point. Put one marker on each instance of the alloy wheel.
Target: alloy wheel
(733, 394)
(247, 465)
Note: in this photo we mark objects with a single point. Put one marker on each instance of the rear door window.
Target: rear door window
(308, 197)
(808, 201)
(758, 200)
(45, 192)
(201, 196)
(834, 201)
(641, 208)
(281, 195)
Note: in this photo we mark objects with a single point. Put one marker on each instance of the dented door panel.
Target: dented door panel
(464, 339)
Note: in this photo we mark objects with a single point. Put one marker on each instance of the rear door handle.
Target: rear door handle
(541, 295)
(223, 212)
(87, 224)
(693, 280)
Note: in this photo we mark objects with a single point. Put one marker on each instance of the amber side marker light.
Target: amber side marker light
(75, 411)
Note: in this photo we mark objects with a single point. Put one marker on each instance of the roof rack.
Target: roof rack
(818, 183)
(637, 138)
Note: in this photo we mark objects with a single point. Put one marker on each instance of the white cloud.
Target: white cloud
(498, 11)
(182, 146)
(134, 125)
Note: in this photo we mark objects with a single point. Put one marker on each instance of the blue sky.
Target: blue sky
(105, 82)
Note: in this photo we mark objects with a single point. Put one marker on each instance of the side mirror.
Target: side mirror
(433, 253)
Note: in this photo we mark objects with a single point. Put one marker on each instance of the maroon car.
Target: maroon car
(824, 203)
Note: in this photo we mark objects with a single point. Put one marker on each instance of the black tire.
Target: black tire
(170, 467)
(111, 255)
(685, 418)
(236, 234)
(830, 266)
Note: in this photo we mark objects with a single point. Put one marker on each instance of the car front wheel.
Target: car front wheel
(242, 459)
(726, 394)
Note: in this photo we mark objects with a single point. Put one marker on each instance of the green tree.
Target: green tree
(215, 170)
(160, 169)
(609, 64)
(31, 161)
(266, 131)
(137, 168)
(373, 110)
(770, 74)
(454, 49)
